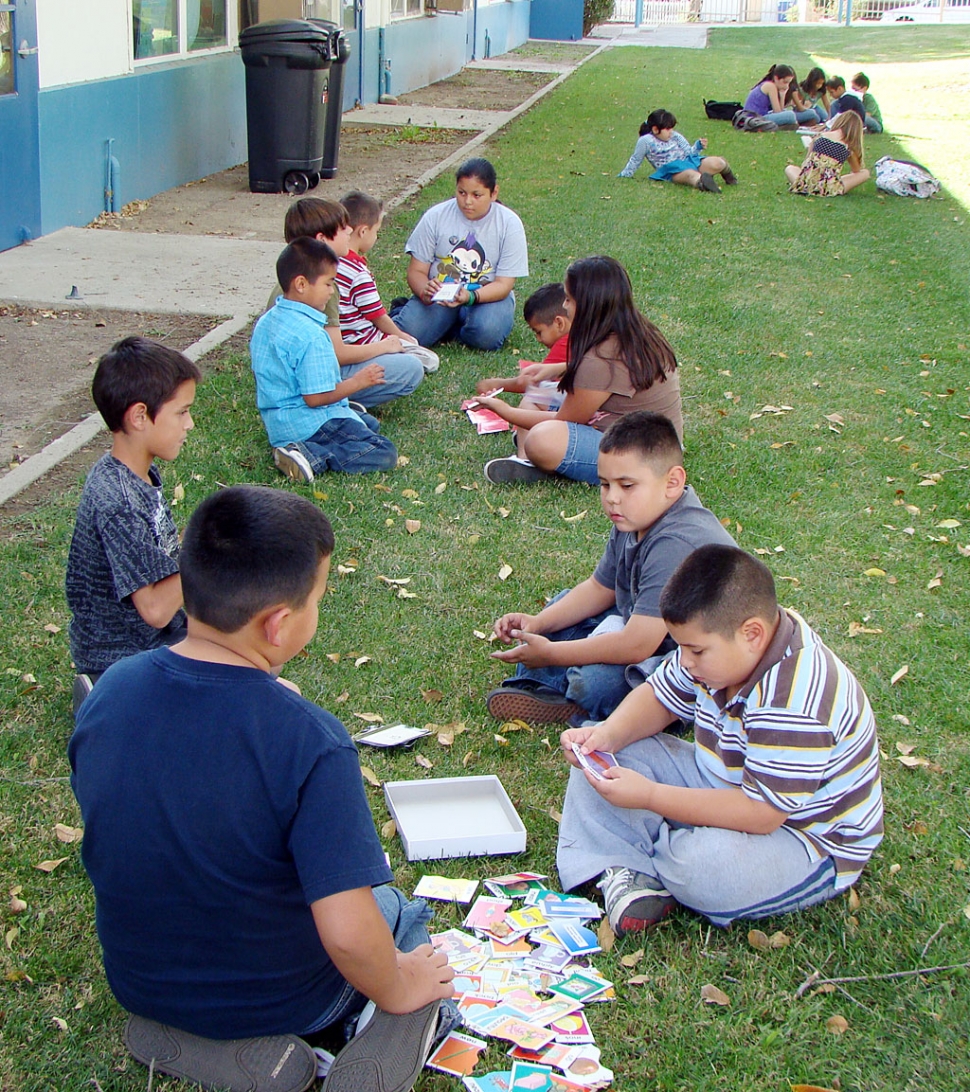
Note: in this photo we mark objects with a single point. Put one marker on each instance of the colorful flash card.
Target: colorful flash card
(472, 1006)
(596, 762)
(555, 905)
(486, 912)
(549, 958)
(457, 1055)
(530, 1077)
(501, 949)
(515, 885)
(573, 1028)
(391, 735)
(529, 917)
(446, 889)
(580, 987)
(496, 1081)
(526, 1034)
(574, 937)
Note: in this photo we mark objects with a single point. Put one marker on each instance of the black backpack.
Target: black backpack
(721, 111)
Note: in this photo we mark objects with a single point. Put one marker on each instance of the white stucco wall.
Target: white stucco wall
(80, 40)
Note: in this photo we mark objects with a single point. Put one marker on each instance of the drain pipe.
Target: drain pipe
(474, 27)
(112, 178)
(488, 46)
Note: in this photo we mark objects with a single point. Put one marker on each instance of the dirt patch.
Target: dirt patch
(47, 360)
(552, 52)
(483, 88)
(379, 161)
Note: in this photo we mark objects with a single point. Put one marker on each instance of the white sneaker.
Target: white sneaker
(428, 359)
(293, 463)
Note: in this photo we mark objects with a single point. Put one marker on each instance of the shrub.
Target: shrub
(595, 11)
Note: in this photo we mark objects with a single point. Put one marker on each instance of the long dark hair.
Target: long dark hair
(808, 85)
(779, 70)
(604, 308)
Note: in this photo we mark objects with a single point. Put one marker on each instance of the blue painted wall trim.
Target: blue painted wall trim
(421, 51)
(558, 20)
(171, 124)
(506, 25)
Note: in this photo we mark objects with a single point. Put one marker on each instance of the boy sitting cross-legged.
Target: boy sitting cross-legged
(402, 371)
(122, 581)
(777, 803)
(242, 893)
(299, 390)
(581, 654)
(363, 318)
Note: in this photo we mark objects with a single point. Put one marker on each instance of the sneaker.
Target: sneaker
(83, 685)
(387, 1055)
(397, 303)
(730, 178)
(357, 407)
(706, 182)
(281, 1063)
(514, 469)
(525, 699)
(634, 901)
(429, 360)
(293, 463)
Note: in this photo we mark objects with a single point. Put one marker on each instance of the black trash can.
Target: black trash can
(293, 109)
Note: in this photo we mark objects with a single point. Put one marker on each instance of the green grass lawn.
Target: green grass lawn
(851, 319)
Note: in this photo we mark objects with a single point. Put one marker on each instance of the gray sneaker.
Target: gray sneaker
(514, 469)
(293, 463)
(634, 901)
(429, 360)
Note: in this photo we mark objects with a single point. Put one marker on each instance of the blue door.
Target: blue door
(19, 146)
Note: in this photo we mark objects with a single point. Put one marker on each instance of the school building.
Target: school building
(103, 102)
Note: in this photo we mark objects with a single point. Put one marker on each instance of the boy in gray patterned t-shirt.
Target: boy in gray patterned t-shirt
(122, 583)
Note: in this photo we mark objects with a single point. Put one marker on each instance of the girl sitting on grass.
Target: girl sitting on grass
(673, 159)
(618, 362)
(821, 173)
(812, 94)
(771, 98)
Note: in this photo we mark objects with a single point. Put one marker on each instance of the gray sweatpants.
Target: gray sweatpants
(722, 874)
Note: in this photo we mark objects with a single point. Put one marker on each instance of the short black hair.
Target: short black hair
(650, 435)
(362, 208)
(137, 369)
(659, 119)
(250, 547)
(478, 168)
(545, 303)
(720, 587)
(304, 257)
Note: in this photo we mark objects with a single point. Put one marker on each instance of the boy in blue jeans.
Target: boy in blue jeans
(122, 582)
(580, 655)
(242, 893)
(299, 391)
(775, 806)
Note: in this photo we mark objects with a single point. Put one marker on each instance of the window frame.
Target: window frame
(183, 53)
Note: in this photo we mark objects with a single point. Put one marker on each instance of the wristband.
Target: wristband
(472, 299)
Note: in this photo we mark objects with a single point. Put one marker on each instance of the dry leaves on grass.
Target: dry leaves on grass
(837, 1025)
(49, 866)
(389, 829)
(67, 834)
(632, 959)
(763, 943)
(370, 718)
(432, 696)
(16, 904)
(424, 763)
(711, 995)
(412, 526)
(370, 777)
(605, 936)
(505, 571)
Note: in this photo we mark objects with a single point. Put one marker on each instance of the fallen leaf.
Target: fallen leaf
(473, 540)
(17, 904)
(573, 519)
(469, 758)
(905, 748)
(51, 628)
(505, 571)
(342, 697)
(49, 866)
(874, 572)
(555, 815)
(481, 636)
(441, 487)
(59, 1022)
(711, 995)
(389, 829)
(347, 570)
(68, 834)
(936, 581)
(403, 593)
(900, 719)
(431, 696)
(11, 935)
(178, 493)
(446, 739)
(397, 581)
(632, 959)
(638, 980)
(370, 777)
(361, 660)
(779, 940)
(854, 901)
(912, 761)
(838, 1025)
(605, 936)
(810, 1088)
(370, 718)
(504, 512)
(425, 763)
(500, 740)
(333, 657)
(411, 494)
(901, 673)
(412, 526)
(516, 726)
(759, 940)
(946, 524)
(855, 628)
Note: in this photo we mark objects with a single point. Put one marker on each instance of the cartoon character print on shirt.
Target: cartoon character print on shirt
(465, 263)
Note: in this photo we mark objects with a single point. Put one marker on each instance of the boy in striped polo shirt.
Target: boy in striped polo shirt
(777, 803)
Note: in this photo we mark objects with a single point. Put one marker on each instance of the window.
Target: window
(6, 50)
(400, 9)
(167, 28)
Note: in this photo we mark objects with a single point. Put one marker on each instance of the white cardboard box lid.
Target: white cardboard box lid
(455, 817)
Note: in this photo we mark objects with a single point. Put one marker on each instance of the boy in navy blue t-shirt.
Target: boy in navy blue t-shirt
(242, 892)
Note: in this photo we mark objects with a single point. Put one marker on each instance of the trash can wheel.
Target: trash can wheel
(297, 182)
(314, 178)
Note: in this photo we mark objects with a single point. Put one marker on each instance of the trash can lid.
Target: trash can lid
(283, 30)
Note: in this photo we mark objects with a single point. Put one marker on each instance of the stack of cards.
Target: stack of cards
(522, 975)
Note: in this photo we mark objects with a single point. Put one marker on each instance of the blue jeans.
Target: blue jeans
(402, 374)
(597, 688)
(352, 445)
(582, 451)
(793, 117)
(723, 874)
(408, 921)
(872, 126)
(482, 326)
